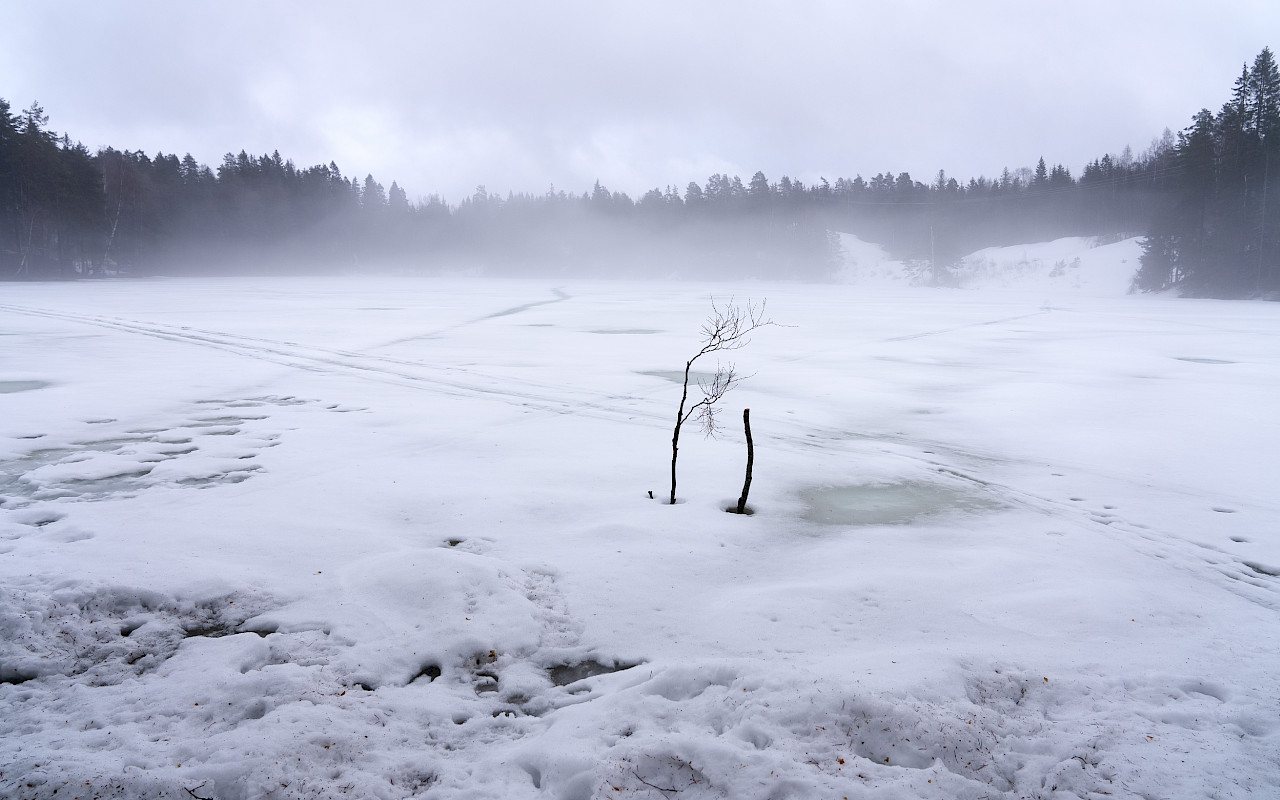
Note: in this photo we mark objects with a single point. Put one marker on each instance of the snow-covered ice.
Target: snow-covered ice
(392, 537)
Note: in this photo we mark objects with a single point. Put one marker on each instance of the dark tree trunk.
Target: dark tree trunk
(751, 457)
(675, 435)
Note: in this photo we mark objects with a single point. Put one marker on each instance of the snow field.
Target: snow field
(392, 538)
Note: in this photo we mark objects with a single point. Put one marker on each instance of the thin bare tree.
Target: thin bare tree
(727, 328)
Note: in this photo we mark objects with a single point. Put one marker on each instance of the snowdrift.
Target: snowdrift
(1074, 266)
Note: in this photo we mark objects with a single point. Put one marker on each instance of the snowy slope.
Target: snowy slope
(392, 538)
(1073, 266)
(868, 264)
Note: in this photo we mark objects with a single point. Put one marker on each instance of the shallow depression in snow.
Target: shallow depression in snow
(10, 387)
(677, 376)
(888, 504)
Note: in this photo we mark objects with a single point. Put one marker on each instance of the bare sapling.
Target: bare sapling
(727, 328)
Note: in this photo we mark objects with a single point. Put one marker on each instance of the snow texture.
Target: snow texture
(390, 538)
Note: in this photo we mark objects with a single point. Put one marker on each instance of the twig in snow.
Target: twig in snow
(650, 785)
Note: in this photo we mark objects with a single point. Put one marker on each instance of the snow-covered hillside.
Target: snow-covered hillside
(312, 538)
(1074, 266)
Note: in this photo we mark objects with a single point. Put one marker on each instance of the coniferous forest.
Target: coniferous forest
(1219, 236)
(1202, 197)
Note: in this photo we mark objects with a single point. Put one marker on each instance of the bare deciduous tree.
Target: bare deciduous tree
(727, 328)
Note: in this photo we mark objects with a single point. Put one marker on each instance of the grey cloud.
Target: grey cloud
(518, 96)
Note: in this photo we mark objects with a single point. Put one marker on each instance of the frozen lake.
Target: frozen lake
(392, 537)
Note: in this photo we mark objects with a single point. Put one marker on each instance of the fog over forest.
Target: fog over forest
(1200, 195)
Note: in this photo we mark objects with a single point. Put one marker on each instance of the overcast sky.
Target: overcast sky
(520, 95)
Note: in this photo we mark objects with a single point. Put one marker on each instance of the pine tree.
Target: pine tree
(373, 197)
(1264, 114)
(397, 200)
(1041, 179)
(758, 191)
(9, 226)
(1264, 95)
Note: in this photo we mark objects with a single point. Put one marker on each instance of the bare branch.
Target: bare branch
(725, 378)
(192, 792)
(729, 327)
(707, 421)
(650, 785)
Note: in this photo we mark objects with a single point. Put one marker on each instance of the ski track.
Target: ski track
(383, 369)
(940, 331)
(560, 297)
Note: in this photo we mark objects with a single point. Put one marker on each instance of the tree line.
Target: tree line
(1220, 235)
(66, 212)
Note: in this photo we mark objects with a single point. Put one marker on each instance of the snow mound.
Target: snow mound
(1078, 265)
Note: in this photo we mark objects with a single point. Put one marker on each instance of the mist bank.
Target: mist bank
(67, 213)
(137, 215)
(1202, 195)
